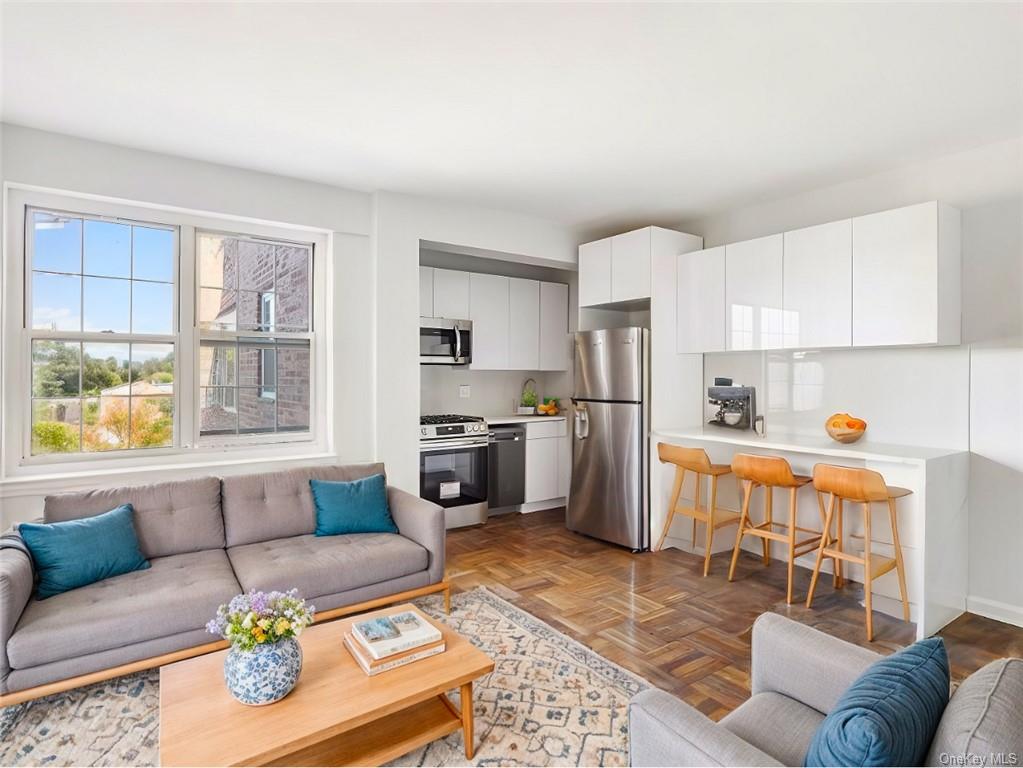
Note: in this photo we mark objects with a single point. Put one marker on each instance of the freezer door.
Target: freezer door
(609, 365)
(608, 499)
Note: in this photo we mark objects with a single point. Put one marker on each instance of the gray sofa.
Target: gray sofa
(207, 540)
(797, 675)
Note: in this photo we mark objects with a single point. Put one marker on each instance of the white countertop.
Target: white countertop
(821, 445)
(520, 419)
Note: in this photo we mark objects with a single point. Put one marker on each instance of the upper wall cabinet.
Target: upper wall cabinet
(630, 265)
(523, 324)
(488, 310)
(426, 292)
(555, 344)
(906, 276)
(817, 294)
(595, 273)
(753, 294)
(700, 292)
(617, 269)
(517, 324)
(450, 294)
(890, 278)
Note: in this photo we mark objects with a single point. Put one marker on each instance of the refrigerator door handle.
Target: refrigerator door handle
(582, 423)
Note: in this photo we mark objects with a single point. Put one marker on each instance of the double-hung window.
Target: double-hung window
(102, 317)
(254, 326)
(144, 329)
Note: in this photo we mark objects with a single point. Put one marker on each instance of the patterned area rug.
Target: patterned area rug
(549, 701)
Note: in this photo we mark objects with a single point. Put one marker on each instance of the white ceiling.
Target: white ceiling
(594, 115)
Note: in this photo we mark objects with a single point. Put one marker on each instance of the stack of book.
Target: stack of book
(394, 640)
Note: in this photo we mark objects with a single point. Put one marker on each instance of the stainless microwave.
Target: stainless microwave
(445, 342)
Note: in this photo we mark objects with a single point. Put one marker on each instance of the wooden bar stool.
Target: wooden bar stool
(865, 486)
(697, 461)
(770, 472)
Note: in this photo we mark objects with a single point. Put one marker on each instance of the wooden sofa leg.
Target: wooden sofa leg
(447, 600)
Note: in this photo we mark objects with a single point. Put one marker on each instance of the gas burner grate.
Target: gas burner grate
(448, 418)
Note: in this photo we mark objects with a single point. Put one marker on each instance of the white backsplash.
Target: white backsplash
(492, 393)
(907, 396)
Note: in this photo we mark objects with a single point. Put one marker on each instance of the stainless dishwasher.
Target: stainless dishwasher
(507, 467)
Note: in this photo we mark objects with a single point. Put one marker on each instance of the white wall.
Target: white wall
(986, 184)
(42, 159)
(400, 223)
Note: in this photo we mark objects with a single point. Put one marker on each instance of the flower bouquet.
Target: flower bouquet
(265, 659)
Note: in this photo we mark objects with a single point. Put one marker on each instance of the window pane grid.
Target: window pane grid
(98, 384)
(254, 386)
(101, 396)
(254, 319)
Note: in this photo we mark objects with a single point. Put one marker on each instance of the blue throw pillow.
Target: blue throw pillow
(358, 506)
(79, 552)
(889, 714)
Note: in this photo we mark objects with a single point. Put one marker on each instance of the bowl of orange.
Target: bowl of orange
(845, 428)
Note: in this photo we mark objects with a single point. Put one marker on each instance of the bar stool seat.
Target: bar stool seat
(863, 486)
(769, 472)
(697, 461)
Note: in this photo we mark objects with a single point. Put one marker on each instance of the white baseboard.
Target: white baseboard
(993, 609)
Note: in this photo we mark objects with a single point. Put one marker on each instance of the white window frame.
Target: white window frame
(16, 334)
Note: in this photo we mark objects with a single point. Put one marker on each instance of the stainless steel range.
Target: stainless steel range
(453, 466)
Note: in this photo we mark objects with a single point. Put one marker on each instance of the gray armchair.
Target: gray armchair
(797, 675)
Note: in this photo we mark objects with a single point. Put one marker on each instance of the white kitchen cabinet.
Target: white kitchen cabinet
(555, 344)
(906, 276)
(753, 294)
(450, 294)
(817, 292)
(542, 469)
(565, 466)
(630, 265)
(524, 324)
(700, 293)
(545, 443)
(489, 312)
(426, 292)
(595, 273)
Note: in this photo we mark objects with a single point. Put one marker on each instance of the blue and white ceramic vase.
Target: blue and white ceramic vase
(265, 674)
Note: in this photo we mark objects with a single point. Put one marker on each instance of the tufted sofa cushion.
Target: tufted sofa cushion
(326, 565)
(278, 505)
(177, 594)
(170, 518)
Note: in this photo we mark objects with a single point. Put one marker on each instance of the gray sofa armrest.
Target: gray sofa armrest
(16, 582)
(423, 522)
(803, 663)
(666, 731)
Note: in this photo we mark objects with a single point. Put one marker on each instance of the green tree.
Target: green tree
(54, 437)
(56, 370)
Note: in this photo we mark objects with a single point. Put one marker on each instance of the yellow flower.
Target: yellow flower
(263, 624)
(257, 632)
(282, 626)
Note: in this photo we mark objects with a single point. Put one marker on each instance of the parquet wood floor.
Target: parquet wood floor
(655, 614)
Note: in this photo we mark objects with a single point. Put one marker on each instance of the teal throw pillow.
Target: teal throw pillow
(889, 714)
(75, 553)
(357, 506)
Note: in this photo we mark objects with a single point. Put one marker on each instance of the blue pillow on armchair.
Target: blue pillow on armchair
(357, 506)
(75, 553)
(889, 714)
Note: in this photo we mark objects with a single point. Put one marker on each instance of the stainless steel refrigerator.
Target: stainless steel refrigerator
(609, 498)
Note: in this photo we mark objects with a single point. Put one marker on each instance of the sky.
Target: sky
(101, 276)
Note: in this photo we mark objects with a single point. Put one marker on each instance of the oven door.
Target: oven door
(445, 342)
(453, 473)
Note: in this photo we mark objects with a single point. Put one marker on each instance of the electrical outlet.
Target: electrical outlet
(464, 391)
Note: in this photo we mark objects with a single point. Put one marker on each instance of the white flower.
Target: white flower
(249, 618)
(297, 629)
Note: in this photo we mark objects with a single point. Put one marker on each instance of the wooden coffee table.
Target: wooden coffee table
(336, 715)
